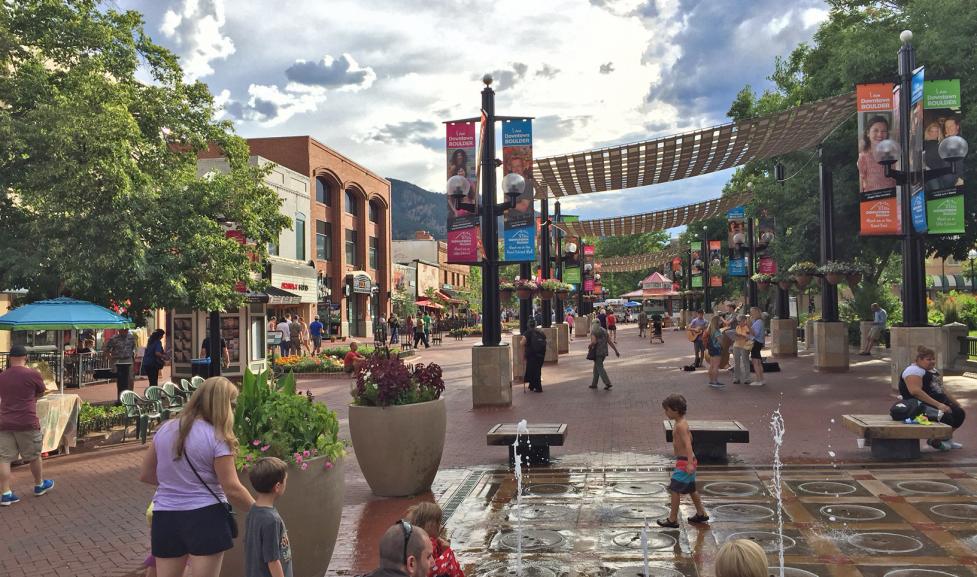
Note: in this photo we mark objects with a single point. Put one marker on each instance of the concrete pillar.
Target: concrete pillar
(810, 344)
(491, 376)
(562, 338)
(864, 327)
(684, 319)
(552, 346)
(952, 333)
(518, 358)
(783, 337)
(581, 326)
(831, 340)
(904, 343)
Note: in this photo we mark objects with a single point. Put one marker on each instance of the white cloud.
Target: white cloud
(194, 28)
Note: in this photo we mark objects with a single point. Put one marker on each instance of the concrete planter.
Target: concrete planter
(312, 508)
(399, 447)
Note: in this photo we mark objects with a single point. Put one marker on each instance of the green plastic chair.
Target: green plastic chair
(141, 411)
(186, 389)
(174, 399)
(158, 397)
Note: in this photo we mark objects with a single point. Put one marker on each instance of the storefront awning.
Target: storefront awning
(428, 305)
(277, 296)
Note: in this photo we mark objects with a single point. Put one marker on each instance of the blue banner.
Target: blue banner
(736, 213)
(918, 202)
(736, 267)
(519, 226)
(917, 84)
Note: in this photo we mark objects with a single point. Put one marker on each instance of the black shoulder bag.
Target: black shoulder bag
(231, 515)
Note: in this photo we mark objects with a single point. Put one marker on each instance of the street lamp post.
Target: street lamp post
(952, 149)
(829, 292)
(544, 255)
(972, 256)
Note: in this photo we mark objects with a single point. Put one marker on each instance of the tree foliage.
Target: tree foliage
(99, 191)
(619, 283)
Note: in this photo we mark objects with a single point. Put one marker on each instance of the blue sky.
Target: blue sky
(374, 79)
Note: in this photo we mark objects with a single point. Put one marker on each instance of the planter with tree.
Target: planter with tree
(397, 423)
(273, 420)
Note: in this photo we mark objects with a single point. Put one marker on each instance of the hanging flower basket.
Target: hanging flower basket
(834, 277)
(562, 294)
(784, 284)
(762, 280)
(854, 278)
(802, 280)
(525, 289)
(545, 294)
(525, 293)
(506, 294)
(763, 284)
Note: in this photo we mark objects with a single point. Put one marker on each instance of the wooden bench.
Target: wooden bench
(894, 439)
(534, 447)
(709, 438)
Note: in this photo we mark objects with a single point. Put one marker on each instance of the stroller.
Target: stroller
(656, 329)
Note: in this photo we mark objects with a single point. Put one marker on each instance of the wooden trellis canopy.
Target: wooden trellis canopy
(639, 262)
(693, 153)
(655, 221)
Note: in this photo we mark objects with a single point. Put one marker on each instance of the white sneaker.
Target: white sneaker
(955, 445)
(757, 384)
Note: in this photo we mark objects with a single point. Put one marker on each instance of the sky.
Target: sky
(375, 79)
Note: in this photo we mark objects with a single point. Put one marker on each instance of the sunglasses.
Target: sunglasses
(408, 530)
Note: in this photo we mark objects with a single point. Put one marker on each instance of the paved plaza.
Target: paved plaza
(607, 477)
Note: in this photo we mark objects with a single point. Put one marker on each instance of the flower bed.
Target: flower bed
(319, 364)
(96, 418)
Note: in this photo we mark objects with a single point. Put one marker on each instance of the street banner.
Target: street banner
(766, 265)
(766, 227)
(715, 263)
(571, 275)
(879, 209)
(463, 229)
(676, 264)
(736, 218)
(519, 232)
(587, 274)
(737, 267)
(944, 194)
(697, 281)
(917, 201)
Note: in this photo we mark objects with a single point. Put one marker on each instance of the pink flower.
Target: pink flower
(306, 454)
(328, 465)
(298, 458)
(265, 448)
(256, 442)
(305, 466)
(248, 458)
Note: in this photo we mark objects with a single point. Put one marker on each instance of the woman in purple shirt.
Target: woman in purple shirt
(188, 520)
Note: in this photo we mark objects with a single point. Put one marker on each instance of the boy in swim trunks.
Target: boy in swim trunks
(683, 477)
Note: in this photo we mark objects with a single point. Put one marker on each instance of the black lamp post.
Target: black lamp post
(544, 256)
(829, 292)
(513, 184)
(952, 149)
(972, 256)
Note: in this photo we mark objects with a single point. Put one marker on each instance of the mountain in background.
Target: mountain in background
(413, 209)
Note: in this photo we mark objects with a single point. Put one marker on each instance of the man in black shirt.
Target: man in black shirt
(225, 354)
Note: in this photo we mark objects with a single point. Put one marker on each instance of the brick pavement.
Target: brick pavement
(93, 523)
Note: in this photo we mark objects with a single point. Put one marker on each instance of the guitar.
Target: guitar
(693, 334)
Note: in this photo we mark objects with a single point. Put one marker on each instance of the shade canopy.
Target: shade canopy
(641, 261)
(693, 153)
(655, 221)
(62, 314)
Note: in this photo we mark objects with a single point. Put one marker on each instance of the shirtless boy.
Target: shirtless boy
(683, 477)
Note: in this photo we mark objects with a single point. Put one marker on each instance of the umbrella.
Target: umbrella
(632, 304)
(62, 314)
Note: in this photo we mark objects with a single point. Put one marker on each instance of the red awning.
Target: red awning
(428, 304)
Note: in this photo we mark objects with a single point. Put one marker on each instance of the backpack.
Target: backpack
(906, 409)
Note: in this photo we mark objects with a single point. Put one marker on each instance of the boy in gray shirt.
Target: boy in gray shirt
(267, 552)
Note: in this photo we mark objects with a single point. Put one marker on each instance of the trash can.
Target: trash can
(200, 367)
(123, 376)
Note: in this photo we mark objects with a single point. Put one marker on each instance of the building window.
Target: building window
(374, 212)
(373, 252)
(322, 191)
(299, 236)
(323, 240)
(273, 249)
(351, 247)
(350, 202)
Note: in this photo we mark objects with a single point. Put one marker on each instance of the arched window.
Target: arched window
(374, 212)
(350, 202)
(323, 192)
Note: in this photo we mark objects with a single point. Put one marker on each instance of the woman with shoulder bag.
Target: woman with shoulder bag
(597, 352)
(191, 462)
(154, 358)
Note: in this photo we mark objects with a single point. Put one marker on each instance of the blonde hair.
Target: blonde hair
(741, 558)
(424, 514)
(212, 403)
(714, 324)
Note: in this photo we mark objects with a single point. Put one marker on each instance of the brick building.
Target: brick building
(349, 225)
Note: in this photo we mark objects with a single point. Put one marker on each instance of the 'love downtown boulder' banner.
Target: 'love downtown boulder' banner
(880, 213)
(463, 229)
(944, 194)
(519, 229)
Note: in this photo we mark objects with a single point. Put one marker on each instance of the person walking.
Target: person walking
(597, 352)
(427, 328)
(642, 324)
(419, 335)
(394, 323)
(283, 328)
(570, 320)
(191, 463)
(742, 343)
(879, 319)
(757, 335)
(295, 335)
(154, 359)
(535, 353)
(20, 430)
(305, 338)
(315, 331)
(612, 325)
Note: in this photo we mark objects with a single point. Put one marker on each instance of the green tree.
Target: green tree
(618, 283)
(473, 291)
(99, 191)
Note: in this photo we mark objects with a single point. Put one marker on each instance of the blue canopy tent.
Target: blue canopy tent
(632, 304)
(62, 314)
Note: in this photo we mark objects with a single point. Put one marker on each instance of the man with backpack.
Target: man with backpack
(535, 354)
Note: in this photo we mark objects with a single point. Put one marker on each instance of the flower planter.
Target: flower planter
(802, 280)
(545, 294)
(854, 278)
(763, 285)
(506, 294)
(784, 284)
(312, 508)
(525, 293)
(399, 447)
(834, 277)
(562, 295)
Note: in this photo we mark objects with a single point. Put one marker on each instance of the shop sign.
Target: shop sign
(294, 286)
(361, 284)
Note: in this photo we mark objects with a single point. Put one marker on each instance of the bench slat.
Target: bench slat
(552, 434)
(883, 427)
(712, 431)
